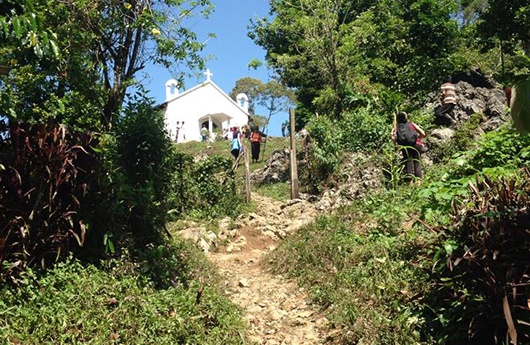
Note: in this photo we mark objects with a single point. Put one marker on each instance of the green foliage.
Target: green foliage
(144, 158)
(254, 64)
(512, 27)
(74, 61)
(352, 254)
(204, 189)
(271, 95)
(215, 190)
(325, 150)
(497, 149)
(250, 87)
(118, 303)
(321, 50)
(388, 252)
(362, 130)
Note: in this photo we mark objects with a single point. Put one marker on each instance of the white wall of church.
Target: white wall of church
(191, 106)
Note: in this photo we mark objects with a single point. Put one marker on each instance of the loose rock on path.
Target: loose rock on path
(278, 311)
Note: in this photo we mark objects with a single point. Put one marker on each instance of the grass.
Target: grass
(365, 269)
(119, 304)
(222, 148)
(278, 191)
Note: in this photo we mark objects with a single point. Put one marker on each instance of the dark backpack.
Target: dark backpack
(406, 135)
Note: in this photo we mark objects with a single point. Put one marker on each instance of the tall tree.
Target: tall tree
(275, 97)
(301, 44)
(250, 87)
(509, 21)
(103, 44)
(272, 96)
(323, 47)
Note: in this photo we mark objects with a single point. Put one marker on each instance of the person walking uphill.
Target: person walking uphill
(236, 146)
(255, 142)
(443, 112)
(407, 134)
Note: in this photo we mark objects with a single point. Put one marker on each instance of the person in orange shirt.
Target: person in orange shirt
(255, 142)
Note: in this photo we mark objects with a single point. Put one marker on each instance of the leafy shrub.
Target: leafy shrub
(116, 304)
(145, 162)
(504, 148)
(214, 187)
(362, 130)
(48, 179)
(322, 150)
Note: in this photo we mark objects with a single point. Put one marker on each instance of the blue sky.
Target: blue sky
(232, 50)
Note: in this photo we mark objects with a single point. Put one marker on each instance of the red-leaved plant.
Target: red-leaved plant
(492, 260)
(45, 173)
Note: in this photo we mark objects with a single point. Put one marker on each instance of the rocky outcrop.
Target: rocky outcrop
(276, 169)
(359, 174)
(476, 93)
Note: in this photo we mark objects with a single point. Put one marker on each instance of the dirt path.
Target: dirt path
(278, 311)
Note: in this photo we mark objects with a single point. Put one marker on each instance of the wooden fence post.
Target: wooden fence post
(247, 176)
(294, 168)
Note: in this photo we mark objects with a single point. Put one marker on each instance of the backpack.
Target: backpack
(255, 137)
(406, 135)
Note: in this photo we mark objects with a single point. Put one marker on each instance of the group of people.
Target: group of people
(253, 134)
(409, 135)
(405, 133)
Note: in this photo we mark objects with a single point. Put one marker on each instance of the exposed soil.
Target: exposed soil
(278, 311)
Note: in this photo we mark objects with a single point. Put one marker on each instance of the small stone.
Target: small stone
(305, 314)
(277, 314)
(244, 283)
(288, 305)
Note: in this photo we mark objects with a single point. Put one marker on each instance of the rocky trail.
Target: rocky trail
(277, 310)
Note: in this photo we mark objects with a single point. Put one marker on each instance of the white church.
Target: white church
(204, 105)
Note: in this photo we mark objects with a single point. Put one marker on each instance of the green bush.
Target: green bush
(362, 130)
(144, 159)
(78, 304)
(502, 151)
(205, 188)
(323, 151)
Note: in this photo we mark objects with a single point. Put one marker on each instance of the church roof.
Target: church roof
(196, 87)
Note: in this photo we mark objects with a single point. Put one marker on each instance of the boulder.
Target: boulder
(476, 93)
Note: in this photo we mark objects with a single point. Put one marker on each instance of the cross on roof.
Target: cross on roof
(208, 74)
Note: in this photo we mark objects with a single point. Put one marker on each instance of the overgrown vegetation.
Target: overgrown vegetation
(443, 263)
(170, 298)
(50, 179)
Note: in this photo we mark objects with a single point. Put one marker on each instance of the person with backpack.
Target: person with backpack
(236, 146)
(408, 135)
(255, 142)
